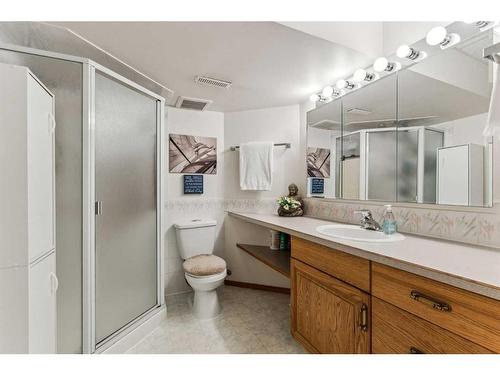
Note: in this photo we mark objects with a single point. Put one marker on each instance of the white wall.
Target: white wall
(183, 207)
(280, 124)
(364, 37)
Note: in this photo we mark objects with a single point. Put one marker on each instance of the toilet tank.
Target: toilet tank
(195, 237)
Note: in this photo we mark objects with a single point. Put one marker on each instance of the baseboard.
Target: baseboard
(269, 288)
(136, 333)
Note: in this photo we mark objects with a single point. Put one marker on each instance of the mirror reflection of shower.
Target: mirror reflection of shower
(414, 135)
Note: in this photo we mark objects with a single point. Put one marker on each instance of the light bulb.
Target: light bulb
(361, 75)
(344, 84)
(438, 36)
(327, 92)
(405, 51)
(380, 64)
(314, 98)
(341, 83)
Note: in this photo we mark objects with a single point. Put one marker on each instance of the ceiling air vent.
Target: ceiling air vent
(213, 82)
(192, 103)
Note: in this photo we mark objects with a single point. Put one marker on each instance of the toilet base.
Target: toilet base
(206, 304)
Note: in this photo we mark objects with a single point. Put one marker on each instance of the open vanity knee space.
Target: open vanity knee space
(349, 298)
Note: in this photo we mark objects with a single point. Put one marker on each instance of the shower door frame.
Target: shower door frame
(89, 237)
(89, 68)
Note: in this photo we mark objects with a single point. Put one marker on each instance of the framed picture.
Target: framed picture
(317, 185)
(193, 183)
(318, 162)
(192, 154)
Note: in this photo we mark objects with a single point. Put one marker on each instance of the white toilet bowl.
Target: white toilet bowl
(206, 303)
(204, 271)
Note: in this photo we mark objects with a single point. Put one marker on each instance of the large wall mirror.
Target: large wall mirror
(412, 136)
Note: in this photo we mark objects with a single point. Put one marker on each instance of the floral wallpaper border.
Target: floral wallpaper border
(477, 228)
(461, 226)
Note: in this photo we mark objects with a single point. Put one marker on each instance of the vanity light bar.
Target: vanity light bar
(437, 36)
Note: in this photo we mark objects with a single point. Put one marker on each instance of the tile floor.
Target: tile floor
(251, 321)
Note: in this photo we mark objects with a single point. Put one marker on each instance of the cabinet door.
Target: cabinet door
(40, 170)
(453, 175)
(42, 306)
(328, 315)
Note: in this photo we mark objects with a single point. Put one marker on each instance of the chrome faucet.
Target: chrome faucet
(367, 220)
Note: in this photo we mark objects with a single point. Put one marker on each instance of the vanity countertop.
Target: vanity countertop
(473, 268)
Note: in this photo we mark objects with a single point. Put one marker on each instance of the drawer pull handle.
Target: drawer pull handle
(435, 304)
(364, 318)
(414, 350)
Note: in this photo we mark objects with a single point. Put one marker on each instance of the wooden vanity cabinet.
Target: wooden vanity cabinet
(328, 315)
(341, 303)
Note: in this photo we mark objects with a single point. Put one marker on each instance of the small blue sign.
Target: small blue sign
(193, 184)
(317, 186)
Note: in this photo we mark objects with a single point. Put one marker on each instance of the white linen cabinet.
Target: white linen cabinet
(28, 281)
(460, 174)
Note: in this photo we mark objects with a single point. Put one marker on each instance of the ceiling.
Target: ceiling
(270, 64)
(365, 37)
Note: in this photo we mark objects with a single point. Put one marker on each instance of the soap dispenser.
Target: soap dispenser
(389, 225)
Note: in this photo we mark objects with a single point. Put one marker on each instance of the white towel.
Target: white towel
(492, 128)
(256, 165)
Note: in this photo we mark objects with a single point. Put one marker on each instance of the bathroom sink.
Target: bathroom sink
(356, 233)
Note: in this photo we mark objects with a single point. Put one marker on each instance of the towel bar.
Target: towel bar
(287, 145)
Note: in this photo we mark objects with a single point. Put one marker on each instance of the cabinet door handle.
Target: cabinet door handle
(98, 208)
(430, 301)
(414, 350)
(363, 318)
(54, 283)
(52, 123)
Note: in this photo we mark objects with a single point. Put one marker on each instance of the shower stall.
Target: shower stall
(109, 196)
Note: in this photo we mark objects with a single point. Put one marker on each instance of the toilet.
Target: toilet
(204, 271)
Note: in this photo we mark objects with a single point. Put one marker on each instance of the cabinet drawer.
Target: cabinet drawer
(397, 331)
(343, 266)
(466, 314)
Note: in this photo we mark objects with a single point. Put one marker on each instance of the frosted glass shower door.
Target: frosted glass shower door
(381, 161)
(126, 210)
